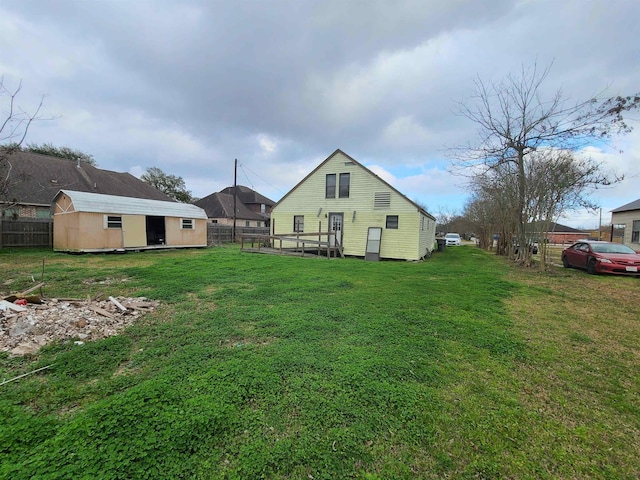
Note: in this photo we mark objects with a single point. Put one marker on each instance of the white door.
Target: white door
(335, 225)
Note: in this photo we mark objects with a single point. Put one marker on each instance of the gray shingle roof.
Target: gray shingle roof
(635, 205)
(38, 178)
(248, 196)
(220, 205)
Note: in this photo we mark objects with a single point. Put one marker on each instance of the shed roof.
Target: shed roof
(99, 203)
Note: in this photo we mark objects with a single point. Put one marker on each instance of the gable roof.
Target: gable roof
(220, 205)
(355, 162)
(558, 228)
(635, 205)
(38, 178)
(99, 203)
(248, 196)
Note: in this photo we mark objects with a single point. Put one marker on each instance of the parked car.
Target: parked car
(452, 239)
(602, 257)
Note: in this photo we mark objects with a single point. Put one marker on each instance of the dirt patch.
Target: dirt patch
(25, 332)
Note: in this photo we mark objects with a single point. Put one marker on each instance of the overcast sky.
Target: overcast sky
(189, 86)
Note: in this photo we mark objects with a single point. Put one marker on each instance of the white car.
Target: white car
(452, 239)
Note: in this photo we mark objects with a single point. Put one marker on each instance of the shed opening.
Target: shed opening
(156, 233)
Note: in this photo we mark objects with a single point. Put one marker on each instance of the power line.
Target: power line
(261, 178)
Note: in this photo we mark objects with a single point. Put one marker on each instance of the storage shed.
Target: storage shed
(92, 222)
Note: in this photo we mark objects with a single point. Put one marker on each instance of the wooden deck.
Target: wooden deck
(309, 247)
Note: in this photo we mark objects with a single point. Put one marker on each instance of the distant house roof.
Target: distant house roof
(558, 228)
(635, 205)
(99, 203)
(554, 228)
(38, 178)
(247, 196)
(220, 205)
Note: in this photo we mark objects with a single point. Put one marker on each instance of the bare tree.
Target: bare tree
(14, 127)
(514, 121)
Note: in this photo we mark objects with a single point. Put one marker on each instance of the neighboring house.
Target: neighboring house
(35, 179)
(367, 213)
(92, 222)
(253, 200)
(629, 216)
(252, 208)
(561, 234)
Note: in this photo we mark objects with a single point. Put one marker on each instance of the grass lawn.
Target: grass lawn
(258, 366)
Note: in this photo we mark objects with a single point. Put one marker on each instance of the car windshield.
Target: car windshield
(452, 235)
(611, 248)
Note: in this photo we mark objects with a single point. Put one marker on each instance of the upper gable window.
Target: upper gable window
(345, 179)
(392, 222)
(330, 189)
(186, 224)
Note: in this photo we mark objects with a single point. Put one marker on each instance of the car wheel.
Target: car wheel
(591, 267)
(565, 262)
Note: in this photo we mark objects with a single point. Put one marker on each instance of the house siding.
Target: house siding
(408, 241)
(627, 218)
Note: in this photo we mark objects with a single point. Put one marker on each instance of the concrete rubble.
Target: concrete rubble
(25, 329)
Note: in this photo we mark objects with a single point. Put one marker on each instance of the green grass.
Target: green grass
(257, 366)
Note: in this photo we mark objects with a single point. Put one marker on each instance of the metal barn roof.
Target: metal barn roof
(99, 203)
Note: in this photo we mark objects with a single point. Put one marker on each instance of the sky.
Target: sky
(189, 86)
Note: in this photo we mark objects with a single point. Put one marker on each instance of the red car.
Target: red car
(602, 257)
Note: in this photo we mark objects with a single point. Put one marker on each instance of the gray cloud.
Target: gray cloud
(189, 86)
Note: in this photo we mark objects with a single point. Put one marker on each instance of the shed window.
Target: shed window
(635, 232)
(345, 179)
(298, 223)
(392, 222)
(330, 189)
(112, 221)
(186, 224)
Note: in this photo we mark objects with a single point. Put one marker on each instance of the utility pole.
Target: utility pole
(235, 180)
(600, 224)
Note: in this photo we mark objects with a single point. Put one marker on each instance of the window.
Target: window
(392, 221)
(186, 224)
(112, 221)
(635, 232)
(381, 200)
(343, 191)
(263, 209)
(247, 223)
(215, 220)
(257, 224)
(298, 223)
(330, 190)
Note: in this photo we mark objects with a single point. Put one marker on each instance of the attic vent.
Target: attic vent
(382, 200)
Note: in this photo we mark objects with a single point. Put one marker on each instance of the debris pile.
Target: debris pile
(27, 322)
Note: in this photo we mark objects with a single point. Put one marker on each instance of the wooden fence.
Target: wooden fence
(217, 234)
(26, 233)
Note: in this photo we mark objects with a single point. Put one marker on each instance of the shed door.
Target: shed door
(134, 231)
